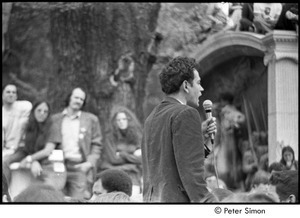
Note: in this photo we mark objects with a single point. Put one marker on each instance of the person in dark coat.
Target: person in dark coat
(246, 22)
(288, 19)
(174, 137)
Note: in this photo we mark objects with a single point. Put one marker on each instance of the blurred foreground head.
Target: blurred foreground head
(40, 193)
(253, 197)
(286, 183)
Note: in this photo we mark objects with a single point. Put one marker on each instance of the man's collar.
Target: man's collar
(65, 113)
(179, 100)
(176, 99)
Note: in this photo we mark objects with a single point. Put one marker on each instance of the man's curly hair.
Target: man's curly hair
(176, 71)
(115, 180)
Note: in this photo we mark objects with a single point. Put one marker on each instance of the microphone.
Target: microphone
(207, 105)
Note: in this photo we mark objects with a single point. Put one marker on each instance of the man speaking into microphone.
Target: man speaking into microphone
(174, 137)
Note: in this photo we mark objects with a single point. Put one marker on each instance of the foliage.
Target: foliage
(184, 26)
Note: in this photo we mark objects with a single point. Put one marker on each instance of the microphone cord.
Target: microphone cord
(215, 163)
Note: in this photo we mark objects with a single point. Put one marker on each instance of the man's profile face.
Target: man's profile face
(9, 94)
(77, 99)
(98, 189)
(195, 89)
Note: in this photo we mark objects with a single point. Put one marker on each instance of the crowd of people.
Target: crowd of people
(255, 17)
(66, 150)
(163, 161)
(266, 17)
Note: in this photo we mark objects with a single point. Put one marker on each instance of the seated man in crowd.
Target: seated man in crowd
(79, 136)
(15, 115)
(266, 16)
(218, 17)
(115, 182)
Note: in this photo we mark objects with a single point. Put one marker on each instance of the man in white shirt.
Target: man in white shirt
(266, 16)
(78, 134)
(14, 118)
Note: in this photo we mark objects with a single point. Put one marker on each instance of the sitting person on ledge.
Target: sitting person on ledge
(266, 16)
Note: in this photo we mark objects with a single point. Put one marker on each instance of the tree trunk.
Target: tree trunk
(6, 8)
(55, 47)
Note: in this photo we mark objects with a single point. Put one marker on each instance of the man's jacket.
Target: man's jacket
(173, 154)
(90, 136)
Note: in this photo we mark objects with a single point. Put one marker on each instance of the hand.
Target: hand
(138, 152)
(7, 152)
(84, 167)
(251, 29)
(127, 148)
(218, 22)
(209, 126)
(24, 164)
(36, 169)
(121, 147)
(291, 16)
(122, 153)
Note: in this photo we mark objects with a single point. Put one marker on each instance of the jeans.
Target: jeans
(76, 185)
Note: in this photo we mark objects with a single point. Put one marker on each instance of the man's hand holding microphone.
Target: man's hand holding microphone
(209, 126)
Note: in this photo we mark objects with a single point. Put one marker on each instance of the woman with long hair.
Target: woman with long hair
(34, 150)
(126, 134)
(288, 158)
(123, 143)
